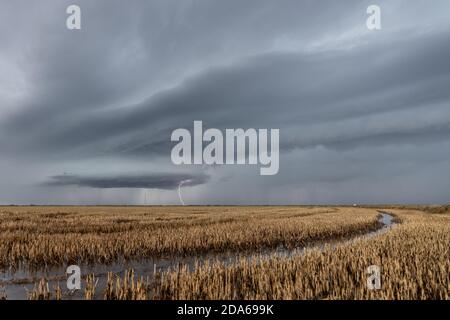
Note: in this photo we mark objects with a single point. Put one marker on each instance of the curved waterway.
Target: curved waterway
(16, 284)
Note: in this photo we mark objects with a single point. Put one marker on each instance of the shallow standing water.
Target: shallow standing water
(16, 284)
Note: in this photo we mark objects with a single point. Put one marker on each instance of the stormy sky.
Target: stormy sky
(86, 115)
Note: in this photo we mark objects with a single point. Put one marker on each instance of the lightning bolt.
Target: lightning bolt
(179, 190)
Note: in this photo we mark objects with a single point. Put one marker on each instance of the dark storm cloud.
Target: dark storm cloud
(106, 99)
(281, 90)
(156, 181)
(124, 47)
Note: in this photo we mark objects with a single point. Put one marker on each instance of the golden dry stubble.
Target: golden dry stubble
(50, 236)
(414, 259)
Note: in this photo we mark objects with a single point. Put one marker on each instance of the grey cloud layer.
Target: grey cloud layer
(162, 181)
(139, 70)
(300, 93)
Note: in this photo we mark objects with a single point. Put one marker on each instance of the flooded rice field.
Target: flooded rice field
(16, 283)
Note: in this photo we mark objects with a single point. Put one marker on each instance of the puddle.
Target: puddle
(16, 284)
